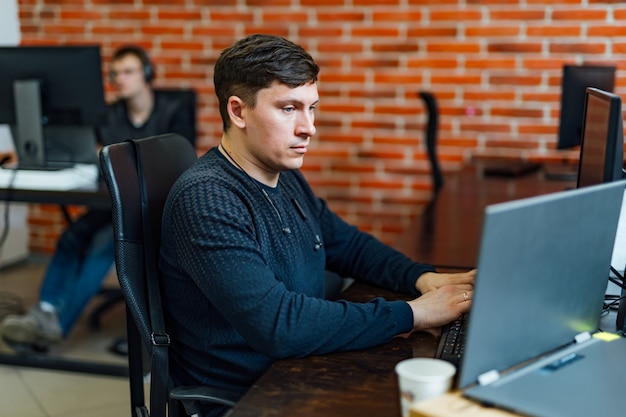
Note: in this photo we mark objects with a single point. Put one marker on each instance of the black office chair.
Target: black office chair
(430, 131)
(188, 99)
(112, 296)
(139, 174)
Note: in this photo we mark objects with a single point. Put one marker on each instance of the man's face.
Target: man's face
(279, 127)
(127, 76)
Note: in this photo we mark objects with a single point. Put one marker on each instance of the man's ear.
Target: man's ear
(235, 111)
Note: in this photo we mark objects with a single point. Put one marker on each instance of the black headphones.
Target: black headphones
(148, 68)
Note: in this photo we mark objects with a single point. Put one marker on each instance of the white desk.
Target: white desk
(78, 176)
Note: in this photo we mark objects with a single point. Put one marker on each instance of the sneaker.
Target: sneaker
(37, 327)
(10, 304)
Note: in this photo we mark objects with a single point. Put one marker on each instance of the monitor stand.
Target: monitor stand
(47, 148)
(28, 132)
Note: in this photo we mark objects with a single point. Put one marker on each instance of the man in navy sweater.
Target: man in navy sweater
(246, 242)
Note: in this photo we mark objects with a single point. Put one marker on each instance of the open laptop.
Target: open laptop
(542, 274)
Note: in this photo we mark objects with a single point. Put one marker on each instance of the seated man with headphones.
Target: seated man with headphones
(84, 252)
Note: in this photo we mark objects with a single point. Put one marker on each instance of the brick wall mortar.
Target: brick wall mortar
(494, 65)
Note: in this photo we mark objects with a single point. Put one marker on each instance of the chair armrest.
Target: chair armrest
(190, 396)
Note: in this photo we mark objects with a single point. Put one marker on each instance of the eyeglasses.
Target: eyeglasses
(124, 71)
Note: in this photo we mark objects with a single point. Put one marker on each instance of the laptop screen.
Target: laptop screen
(542, 273)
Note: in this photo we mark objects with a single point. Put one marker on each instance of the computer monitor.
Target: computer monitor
(575, 79)
(602, 140)
(53, 98)
(601, 160)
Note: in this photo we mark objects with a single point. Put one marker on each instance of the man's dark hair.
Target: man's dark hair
(254, 63)
(146, 65)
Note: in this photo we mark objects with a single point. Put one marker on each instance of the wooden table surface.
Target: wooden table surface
(448, 232)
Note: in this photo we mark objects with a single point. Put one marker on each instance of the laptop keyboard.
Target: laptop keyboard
(452, 341)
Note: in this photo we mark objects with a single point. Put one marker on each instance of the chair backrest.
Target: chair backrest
(188, 99)
(162, 160)
(432, 126)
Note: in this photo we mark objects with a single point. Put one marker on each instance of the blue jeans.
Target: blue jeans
(83, 256)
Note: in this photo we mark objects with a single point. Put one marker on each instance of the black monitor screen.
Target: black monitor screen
(576, 78)
(70, 80)
(602, 160)
(602, 146)
(53, 98)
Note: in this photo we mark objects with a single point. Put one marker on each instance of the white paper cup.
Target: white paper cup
(422, 378)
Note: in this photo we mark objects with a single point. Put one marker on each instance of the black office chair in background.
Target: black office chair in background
(188, 99)
(139, 174)
(430, 139)
(112, 296)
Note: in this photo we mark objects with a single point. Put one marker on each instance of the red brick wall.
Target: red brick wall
(495, 66)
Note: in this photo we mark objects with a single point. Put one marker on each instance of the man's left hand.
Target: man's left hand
(430, 281)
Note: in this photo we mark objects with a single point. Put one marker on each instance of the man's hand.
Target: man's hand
(430, 281)
(7, 157)
(441, 306)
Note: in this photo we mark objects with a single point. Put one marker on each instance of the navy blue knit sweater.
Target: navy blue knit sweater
(240, 293)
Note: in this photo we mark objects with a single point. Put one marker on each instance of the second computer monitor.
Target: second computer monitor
(576, 78)
(53, 98)
(602, 140)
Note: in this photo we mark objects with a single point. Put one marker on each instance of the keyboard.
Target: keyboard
(78, 176)
(452, 341)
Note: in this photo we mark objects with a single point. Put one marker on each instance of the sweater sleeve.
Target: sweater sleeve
(359, 255)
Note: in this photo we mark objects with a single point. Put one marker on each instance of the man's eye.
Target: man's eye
(288, 109)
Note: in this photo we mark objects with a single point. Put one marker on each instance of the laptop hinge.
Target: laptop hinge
(488, 377)
(582, 337)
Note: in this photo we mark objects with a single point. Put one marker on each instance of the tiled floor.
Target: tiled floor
(33, 392)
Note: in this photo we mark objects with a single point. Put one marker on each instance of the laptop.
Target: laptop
(542, 274)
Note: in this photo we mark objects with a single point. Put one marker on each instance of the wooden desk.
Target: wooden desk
(447, 234)
(363, 383)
